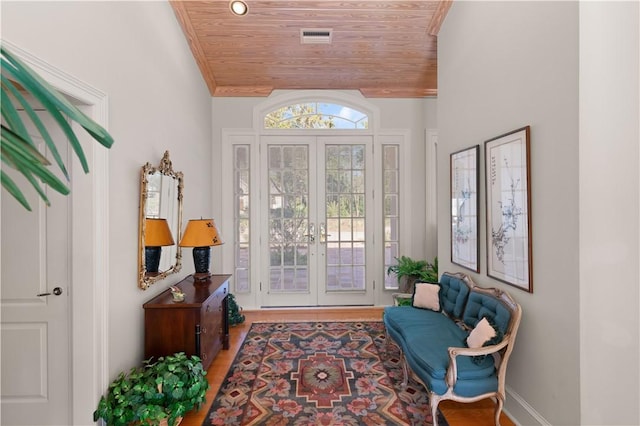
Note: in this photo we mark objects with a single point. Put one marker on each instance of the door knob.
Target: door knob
(323, 233)
(56, 292)
(312, 233)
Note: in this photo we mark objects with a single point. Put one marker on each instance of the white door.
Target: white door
(35, 341)
(317, 227)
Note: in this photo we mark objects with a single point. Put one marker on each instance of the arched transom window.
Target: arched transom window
(316, 115)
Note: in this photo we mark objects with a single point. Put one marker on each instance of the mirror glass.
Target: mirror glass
(160, 222)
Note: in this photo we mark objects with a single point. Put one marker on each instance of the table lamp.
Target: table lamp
(201, 234)
(156, 235)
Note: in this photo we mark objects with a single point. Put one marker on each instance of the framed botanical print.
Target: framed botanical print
(508, 197)
(465, 220)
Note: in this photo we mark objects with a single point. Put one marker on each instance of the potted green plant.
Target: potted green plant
(430, 272)
(409, 270)
(158, 392)
(235, 317)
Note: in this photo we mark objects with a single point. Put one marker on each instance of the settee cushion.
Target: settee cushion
(453, 295)
(481, 305)
(426, 296)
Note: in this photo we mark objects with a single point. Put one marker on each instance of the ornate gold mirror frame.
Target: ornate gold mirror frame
(160, 198)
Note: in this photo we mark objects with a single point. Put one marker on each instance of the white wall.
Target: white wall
(417, 115)
(570, 70)
(136, 53)
(501, 66)
(609, 212)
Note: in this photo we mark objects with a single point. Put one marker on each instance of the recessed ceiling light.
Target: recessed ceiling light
(238, 7)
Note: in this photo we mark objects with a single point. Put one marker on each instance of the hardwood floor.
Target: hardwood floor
(475, 414)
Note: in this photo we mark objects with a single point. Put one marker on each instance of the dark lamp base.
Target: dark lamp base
(201, 277)
(152, 259)
(201, 258)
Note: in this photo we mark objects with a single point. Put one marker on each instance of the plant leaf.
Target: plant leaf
(17, 145)
(26, 163)
(44, 89)
(14, 139)
(11, 116)
(12, 188)
(24, 169)
(42, 97)
(38, 188)
(39, 125)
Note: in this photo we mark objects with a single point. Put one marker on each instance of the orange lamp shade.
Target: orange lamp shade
(157, 233)
(201, 233)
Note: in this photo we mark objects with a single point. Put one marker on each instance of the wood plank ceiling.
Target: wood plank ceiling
(384, 48)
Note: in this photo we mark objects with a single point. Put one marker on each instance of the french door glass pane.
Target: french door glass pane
(391, 192)
(288, 218)
(242, 218)
(345, 209)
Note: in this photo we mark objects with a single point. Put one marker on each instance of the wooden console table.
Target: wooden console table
(197, 326)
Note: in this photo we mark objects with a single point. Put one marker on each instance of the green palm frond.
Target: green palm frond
(18, 149)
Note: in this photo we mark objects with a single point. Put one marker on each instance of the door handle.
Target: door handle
(312, 233)
(323, 233)
(56, 292)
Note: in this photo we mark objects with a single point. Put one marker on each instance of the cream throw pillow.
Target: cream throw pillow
(426, 296)
(482, 333)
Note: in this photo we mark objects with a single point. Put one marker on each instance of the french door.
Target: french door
(316, 227)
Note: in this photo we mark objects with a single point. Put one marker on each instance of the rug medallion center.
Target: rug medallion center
(322, 379)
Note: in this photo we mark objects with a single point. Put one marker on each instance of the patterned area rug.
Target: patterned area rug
(318, 373)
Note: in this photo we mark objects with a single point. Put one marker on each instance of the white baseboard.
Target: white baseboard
(521, 412)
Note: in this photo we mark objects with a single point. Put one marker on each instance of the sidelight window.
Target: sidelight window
(242, 218)
(391, 214)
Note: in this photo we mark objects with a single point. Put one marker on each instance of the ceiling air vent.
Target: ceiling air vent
(315, 36)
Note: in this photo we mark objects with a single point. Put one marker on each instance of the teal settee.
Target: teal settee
(434, 348)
